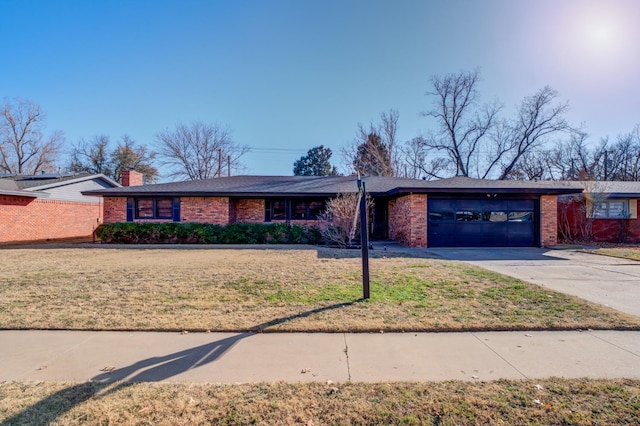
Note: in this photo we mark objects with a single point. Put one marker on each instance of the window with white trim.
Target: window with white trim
(611, 209)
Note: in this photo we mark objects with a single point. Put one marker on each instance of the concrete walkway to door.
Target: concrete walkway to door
(605, 280)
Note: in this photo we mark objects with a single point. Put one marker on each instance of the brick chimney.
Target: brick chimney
(131, 178)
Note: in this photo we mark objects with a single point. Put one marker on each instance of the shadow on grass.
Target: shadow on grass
(391, 249)
(153, 369)
(379, 249)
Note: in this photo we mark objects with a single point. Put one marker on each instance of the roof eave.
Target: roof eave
(537, 191)
(24, 194)
(208, 194)
(100, 176)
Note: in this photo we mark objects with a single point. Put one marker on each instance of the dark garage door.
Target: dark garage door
(457, 222)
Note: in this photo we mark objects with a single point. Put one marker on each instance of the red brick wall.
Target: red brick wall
(115, 209)
(246, 211)
(131, 178)
(205, 210)
(574, 226)
(408, 220)
(548, 220)
(24, 219)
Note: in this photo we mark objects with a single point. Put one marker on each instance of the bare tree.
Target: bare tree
(128, 156)
(92, 156)
(475, 141)
(463, 125)
(388, 130)
(198, 150)
(621, 161)
(417, 163)
(23, 147)
(575, 160)
(96, 156)
(538, 118)
(375, 150)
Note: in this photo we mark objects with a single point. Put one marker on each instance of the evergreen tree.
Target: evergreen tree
(372, 157)
(315, 163)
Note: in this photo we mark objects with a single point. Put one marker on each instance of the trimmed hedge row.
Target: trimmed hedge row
(203, 233)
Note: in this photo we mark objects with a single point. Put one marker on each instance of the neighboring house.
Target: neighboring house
(49, 206)
(418, 213)
(603, 212)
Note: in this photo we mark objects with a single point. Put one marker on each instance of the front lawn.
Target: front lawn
(528, 402)
(273, 289)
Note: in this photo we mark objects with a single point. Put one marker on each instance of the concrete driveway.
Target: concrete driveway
(606, 280)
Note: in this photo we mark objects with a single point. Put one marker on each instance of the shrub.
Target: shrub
(341, 219)
(204, 233)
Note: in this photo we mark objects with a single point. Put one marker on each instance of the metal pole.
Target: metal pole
(364, 241)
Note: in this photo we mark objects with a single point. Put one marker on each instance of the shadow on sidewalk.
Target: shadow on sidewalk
(152, 369)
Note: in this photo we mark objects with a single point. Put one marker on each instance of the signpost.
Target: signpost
(364, 238)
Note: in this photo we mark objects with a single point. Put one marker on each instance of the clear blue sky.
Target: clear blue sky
(290, 75)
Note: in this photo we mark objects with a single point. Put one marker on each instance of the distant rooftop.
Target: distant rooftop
(30, 181)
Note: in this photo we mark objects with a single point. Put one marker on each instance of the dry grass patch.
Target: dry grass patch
(631, 253)
(544, 402)
(303, 289)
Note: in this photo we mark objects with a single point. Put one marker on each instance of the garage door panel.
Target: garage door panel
(520, 234)
(443, 233)
(481, 223)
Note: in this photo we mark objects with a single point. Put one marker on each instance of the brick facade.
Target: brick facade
(574, 226)
(246, 211)
(548, 220)
(205, 210)
(408, 220)
(132, 178)
(115, 209)
(407, 215)
(27, 219)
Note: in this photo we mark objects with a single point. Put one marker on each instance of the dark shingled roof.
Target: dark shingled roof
(299, 186)
(9, 187)
(37, 185)
(26, 182)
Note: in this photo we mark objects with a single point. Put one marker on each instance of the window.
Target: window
(611, 209)
(494, 216)
(306, 209)
(441, 216)
(154, 208)
(279, 210)
(298, 209)
(468, 216)
(520, 216)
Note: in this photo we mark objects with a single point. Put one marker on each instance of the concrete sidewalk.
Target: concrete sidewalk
(231, 358)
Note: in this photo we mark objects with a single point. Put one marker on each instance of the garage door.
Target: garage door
(481, 223)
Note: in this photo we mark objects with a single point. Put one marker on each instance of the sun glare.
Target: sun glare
(602, 35)
(596, 44)
(599, 34)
